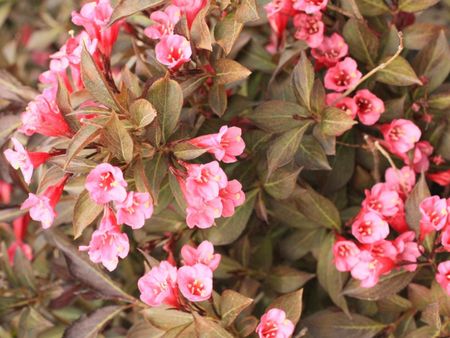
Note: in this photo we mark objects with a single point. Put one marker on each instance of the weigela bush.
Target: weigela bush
(212, 168)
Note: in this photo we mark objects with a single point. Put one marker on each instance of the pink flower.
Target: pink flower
(94, 17)
(310, 6)
(203, 254)
(398, 221)
(369, 228)
(135, 209)
(165, 22)
(190, 8)
(5, 192)
(346, 104)
(370, 107)
(274, 324)
(173, 51)
(42, 116)
(400, 135)
(159, 285)
(445, 239)
(382, 199)
(18, 245)
(105, 183)
(205, 180)
(343, 75)
(310, 28)
(408, 250)
(20, 226)
(332, 49)
(434, 214)
(420, 160)
(231, 196)
(382, 249)
(107, 243)
(346, 255)
(195, 282)
(201, 214)
(24, 160)
(443, 276)
(278, 13)
(401, 180)
(442, 177)
(369, 269)
(42, 207)
(225, 145)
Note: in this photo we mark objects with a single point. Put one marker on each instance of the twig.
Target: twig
(340, 10)
(385, 154)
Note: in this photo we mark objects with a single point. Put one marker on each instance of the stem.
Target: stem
(355, 10)
(340, 10)
(385, 154)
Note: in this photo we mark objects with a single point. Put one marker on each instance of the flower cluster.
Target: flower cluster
(275, 324)
(164, 283)
(372, 254)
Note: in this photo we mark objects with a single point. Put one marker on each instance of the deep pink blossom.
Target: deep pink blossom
(20, 226)
(231, 196)
(105, 183)
(434, 214)
(107, 243)
(225, 145)
(332, 49)
(190, 8)
(441, 177)
(369, 228)
(443, 276)
(382, 200)
(164, 22)
(398, 221)
(408, 250)
(370, 107)
(310, 28)
(382, 249)
(195, 282)
(5, 192)
(422, 152)
(346, 255)
(346, 104)
(203, 254)
(343, 75)
(278, 13)
(173, 51)
(400, 135)
(135, 209)
(159, 285)
(369, 268)
(274, 324)
(310, 6)
(205, 180)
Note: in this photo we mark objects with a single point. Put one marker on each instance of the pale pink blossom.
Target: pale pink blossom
(382, 200)
(422, 152)
(107, 243)
(346, 104)
(443, 276)
(274, 324)
(42, 207)
(310, 6)
(173, 51)
(201, 213)
(159, 285)
(205, 180)
(400, 136)
(369, 268)
(225, 145)
(135, 209)
(402, 180)
(190, 8)
(408, 250)
(370, 107)
(105, 183)
(231, 196)
(203, 254)
(332, 49)
(382, 249)
(343, 75)
(346, 255)
(195, 282)
(310, 28)
(369, 228)
(164, 22)
(434, 214)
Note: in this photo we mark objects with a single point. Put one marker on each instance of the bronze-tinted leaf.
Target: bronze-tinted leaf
(311, 155)
(218, 99)
(232, 304)
(117, 139)
(362, 41)
(209, 328)
(86, 135)
(417, 195)
(335, 121)
(415, 5)
(227, 31)
(187, 151)
(142, 113)
(85, 212)
(398, 73)
(285, 279)
(291, 303)
(229, 71)
(128, 7)
(200, 34)
(303, 80)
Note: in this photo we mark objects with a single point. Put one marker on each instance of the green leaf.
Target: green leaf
(232, 304)
(303, 81)
(142, 113)
(398, 73)
(417, 195)
(227, 230)
(217, 99)
(229, 71)
(117, 139)
(335, 122)
(166, 96)
(329, 277)
(291, 303)
(129, 7)
(362, 41)
(227, 31)
(372, 7)
(310, 155)
(208, 328)
(187, 151)
(95, 81)
(411, 6)
(167, 318)
(281, 183)
(440, 101)
(279, 116)
(284, 279)
(83, 270)
(84, 213)
(424, 331)
(327, 324)
(86, 135)
(419, 35)
(387, 286)
(282, 150)
(317, 208)
(91, 325)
